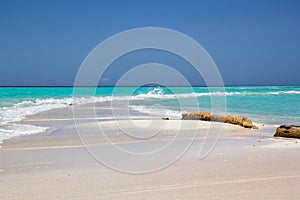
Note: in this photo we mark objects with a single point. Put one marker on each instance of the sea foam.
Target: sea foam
(19, 111)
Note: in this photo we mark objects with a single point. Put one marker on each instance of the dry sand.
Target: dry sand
(245, 164)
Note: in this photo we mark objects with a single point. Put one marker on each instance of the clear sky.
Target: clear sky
(254, 42)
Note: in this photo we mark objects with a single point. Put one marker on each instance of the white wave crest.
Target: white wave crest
(18, 112)
(13, 130)
(159, 94)
(162, 112)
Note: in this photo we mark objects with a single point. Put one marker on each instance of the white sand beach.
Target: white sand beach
(245, 164)
(149, 100)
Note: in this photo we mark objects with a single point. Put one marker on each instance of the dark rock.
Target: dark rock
(206, 116)
(165, 118)
(289, 131)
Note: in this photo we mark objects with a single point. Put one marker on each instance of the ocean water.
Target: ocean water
(272, 105)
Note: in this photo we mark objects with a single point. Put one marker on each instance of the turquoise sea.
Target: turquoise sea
(273, 105)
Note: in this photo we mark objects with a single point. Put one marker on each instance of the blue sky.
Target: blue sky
(253, 42)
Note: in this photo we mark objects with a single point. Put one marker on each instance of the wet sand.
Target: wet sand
(245, 164)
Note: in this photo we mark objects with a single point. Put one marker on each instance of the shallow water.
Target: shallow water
(272, 105)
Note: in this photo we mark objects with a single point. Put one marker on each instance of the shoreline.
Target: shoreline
(42, 120)
(60, 118)
(47, 99)
(55, 164)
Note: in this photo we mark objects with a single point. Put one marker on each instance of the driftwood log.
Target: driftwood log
(230, 119)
